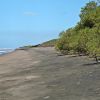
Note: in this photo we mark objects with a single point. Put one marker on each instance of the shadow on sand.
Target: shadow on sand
(89, 64)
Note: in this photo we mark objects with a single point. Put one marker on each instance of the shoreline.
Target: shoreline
(7, 52)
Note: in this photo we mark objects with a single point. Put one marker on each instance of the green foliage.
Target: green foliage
(27, 47)
(50, 43)
(88, 14)
(82, 41)
(85, 36)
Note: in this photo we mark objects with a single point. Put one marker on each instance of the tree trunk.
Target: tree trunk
(96, 58)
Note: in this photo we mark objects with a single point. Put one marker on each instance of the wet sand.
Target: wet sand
(40, 74)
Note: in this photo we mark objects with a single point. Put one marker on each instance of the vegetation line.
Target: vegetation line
(84, 38)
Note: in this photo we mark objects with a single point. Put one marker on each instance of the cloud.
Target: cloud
(30, 14)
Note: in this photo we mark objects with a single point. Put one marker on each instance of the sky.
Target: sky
(30, 22)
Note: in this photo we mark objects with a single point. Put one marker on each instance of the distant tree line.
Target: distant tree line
(84, 38)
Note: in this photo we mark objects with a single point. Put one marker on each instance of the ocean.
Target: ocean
(5, 51)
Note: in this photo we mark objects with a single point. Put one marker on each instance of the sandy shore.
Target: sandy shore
(40, 74)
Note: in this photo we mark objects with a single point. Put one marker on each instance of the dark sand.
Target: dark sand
(40, 74)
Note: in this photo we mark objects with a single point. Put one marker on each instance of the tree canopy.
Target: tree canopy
(84, 38)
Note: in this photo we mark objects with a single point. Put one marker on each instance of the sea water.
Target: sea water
(5, 51)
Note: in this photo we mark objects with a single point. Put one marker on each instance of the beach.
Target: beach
(43, 74)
